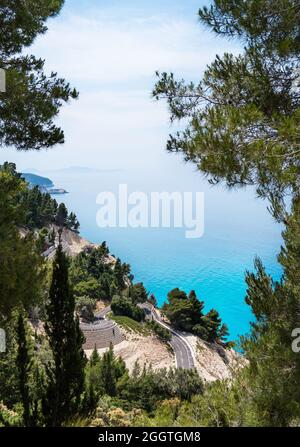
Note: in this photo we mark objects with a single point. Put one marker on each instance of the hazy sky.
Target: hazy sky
(109, 50)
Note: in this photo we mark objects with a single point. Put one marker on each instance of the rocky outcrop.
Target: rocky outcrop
(213, 361)
(146, 350)
(73, 243)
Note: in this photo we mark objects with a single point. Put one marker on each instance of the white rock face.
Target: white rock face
(213, 362)
(145, 350)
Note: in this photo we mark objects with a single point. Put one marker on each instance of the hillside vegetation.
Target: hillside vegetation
(240, 126)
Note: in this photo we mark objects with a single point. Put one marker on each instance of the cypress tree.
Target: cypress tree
(23, 363)
(119, 275)
(66, 375)
(95, 358)
(108, 372)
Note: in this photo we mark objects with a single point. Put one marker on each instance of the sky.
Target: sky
(109, 50)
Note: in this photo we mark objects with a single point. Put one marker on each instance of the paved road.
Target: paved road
(50, 253)
(184, 358)
(183, 351)
(101, 332)
(100, 321)
(102, 313)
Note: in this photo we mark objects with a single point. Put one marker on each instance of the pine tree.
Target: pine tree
(243, 115)
(276, 306)
(152, 300)
(38, 387)
(138, 293)
(61, 215)
(27, 86)
(184, 312)
(197, 307)
(212, 323)
(21, 272)
(72, 222)
(66, 375)
(52, 236)
(90, 400)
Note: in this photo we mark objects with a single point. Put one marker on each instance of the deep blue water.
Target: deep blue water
(237, 228)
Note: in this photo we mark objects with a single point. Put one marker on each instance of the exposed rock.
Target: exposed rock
(145, 350)
(73, 243)
(213, 361)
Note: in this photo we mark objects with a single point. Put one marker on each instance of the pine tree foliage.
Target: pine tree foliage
(186, 313)
(274, 366)
(32, 99)
(21, 266)
(243, 128)
(244, 115)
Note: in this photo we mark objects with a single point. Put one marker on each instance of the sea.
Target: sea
(237, 228)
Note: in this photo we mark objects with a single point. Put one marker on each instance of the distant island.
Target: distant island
(37, 180)
(44, 183)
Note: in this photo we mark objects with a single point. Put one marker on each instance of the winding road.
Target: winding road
(182, 349)
(101, 332)
(109, 332)
(50, 252)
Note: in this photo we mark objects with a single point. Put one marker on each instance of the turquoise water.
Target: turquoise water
(237, 228)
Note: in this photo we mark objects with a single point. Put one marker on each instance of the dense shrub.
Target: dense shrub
(185, 312)
(143, 388)
(162, 332)
(123, 305)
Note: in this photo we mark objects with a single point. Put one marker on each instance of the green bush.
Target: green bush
(123, 305)
(162, 332)
(84, 300)
(185, 313)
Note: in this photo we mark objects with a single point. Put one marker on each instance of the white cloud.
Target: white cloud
(105, 50)
(112, 60)
(113, 109)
